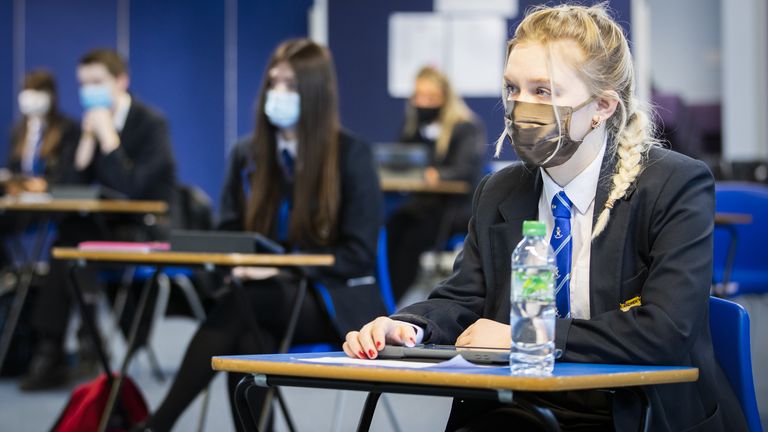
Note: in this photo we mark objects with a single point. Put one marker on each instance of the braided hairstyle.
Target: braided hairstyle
(607, 68)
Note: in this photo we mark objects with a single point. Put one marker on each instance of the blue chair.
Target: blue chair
(729, 325)
(750, 263)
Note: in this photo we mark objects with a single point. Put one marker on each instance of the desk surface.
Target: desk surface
(733, 218)
(194, 258)
(567, 376)
(397, 184)
(86, 206)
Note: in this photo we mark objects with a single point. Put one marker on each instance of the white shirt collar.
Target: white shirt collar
(583, 188)
(289, 145)
(122, 106)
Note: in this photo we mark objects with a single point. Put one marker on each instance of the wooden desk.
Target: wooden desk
(733, 218)
(80, 258)
(416, 185)
(495, 383)
(194, 258)
(45, 212)
(85, 206)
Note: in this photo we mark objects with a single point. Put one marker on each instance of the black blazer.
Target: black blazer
(351, 281)
(59, 166)
(657, 245)
(143, 166)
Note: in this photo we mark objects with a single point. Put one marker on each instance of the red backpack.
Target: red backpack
(88, 401)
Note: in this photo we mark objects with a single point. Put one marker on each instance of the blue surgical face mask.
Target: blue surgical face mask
(282, 108)
(95, 96)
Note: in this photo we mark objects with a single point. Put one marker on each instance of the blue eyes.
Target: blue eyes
(542, 92)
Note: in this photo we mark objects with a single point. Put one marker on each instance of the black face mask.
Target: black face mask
(536, 135)
(427, 115)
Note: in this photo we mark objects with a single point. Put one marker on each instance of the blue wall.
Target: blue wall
(359, 41)
(177, 65)
(7, 94)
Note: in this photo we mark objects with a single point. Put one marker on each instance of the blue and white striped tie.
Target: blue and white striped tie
(562, 243)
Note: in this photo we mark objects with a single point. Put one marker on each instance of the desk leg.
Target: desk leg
(88, 320)
(730, 257)
(22, 290)
(645, 407)
(241, 403)
(285, 343)
(367, 416)
(130, 350)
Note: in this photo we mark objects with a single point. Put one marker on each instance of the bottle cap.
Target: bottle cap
(534, 229)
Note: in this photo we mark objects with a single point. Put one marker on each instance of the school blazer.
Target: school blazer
(349, 289)
(657, 246)
(143, 167)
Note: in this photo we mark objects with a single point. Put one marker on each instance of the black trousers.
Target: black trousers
(583, 411)
(422, 223)
(226, 332)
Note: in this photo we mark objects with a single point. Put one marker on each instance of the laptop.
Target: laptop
(223, 242)
(85, 192)
(440, 353)
(401, 159)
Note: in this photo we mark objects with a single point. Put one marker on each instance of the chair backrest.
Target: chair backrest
(750, 268)
(382, 268)
(729, 325)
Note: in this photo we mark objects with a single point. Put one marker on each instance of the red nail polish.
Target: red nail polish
(378, 344)
(361, 354)
(370, 353)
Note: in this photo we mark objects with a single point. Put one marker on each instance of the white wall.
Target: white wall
(685, 48)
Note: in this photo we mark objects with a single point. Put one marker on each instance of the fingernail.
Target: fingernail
(371, 353)
(361, 354)
(378, 344)
(410, 343)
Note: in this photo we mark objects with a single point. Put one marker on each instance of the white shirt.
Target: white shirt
(32, 143)
(581, 191)
(122, 107)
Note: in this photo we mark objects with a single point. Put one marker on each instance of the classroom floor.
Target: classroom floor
(312, 410)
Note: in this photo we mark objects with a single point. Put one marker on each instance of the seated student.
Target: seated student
(44, 140)
(436, 117)
(303, 181)
(642, 222)
(126, 147)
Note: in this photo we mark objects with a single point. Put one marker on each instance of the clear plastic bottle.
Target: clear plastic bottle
(532, 308)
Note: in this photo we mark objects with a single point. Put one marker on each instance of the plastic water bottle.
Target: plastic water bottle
(532, 308)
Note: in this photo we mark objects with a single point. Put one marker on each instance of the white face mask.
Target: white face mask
(34, 102)
(282, 108)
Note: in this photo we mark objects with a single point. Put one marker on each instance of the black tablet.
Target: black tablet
(439, 353)
(223, 242)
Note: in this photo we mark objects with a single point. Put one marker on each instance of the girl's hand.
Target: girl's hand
(254, 273)
(374, 336)
(487, 334)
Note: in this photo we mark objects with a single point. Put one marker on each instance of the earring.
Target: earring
(596, 123)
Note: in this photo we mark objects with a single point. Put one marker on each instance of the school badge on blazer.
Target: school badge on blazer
(629, 304)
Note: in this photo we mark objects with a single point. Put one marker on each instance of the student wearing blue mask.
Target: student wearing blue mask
(125, 146)
(636, 266)
(303, 181)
